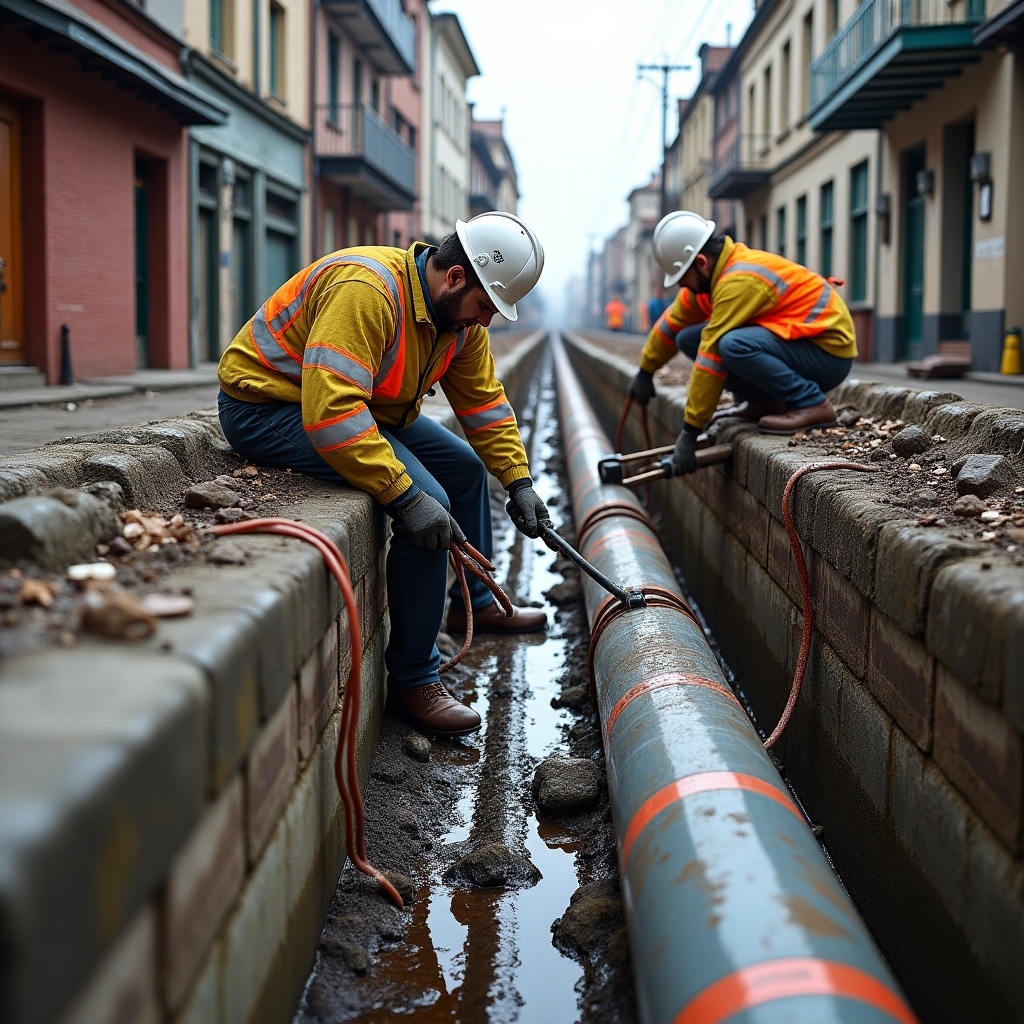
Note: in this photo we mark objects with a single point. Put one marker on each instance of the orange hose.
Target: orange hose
(345, 771)
(805, 587)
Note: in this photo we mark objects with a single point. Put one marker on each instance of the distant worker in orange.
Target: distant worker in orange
(615, 314)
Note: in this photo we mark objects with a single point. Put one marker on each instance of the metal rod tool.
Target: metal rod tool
(630, 598)
(656, 467)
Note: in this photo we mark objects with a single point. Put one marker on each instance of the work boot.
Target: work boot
(493, 620)
(751, 412)
(432, 709)
(821, 415)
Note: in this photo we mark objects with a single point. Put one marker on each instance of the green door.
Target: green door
(913, 258)
(141, 272)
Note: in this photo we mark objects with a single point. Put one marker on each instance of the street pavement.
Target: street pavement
(30, 417)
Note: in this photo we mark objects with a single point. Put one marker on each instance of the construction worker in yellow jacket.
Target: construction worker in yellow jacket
(328, 378)
(775, 334)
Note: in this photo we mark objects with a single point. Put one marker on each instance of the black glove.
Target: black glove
(641, 387)
(683, 460)
(526, 509)
(429, 523)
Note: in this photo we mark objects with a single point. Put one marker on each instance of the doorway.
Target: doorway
(12, 340)
(141, 266)
(913, 256)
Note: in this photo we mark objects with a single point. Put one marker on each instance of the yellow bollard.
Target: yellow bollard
(1011, 352)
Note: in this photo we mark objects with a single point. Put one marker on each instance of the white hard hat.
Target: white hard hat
(678, 238)
(506, 255)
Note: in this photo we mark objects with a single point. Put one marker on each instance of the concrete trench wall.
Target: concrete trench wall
(170, 828)
(906, 744)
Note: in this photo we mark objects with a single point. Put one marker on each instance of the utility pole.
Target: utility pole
(666, 70)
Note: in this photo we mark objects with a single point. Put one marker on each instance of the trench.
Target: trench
(460, 952)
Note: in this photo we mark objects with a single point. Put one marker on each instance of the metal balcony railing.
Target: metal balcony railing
(874, 23)
(747, 152)
(357, 132)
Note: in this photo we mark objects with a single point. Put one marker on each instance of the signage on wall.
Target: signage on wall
(990, 248)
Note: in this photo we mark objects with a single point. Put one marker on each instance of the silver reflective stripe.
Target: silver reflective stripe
(711, 365)
(487, 418)
(344, 365)
(755, 268)
(460, 343)
(272, 351)
(819, 306)
(336, 433)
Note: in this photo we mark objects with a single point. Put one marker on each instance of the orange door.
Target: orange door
(12, 348)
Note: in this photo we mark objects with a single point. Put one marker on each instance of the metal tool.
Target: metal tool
(630, 598)
(657, 464)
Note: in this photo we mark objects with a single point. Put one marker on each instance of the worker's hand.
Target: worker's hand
(526, 509)
(429, 523)
(684, 457)
(641, 387)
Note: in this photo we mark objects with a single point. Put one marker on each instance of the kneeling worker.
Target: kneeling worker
(776, 334)
(329, 378)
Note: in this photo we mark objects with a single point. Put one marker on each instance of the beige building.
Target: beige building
(942, 84)
(445, 139)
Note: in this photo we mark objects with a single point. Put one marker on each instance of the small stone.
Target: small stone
(91, 571)
(911, 440)
(417, 747)
(969, 506)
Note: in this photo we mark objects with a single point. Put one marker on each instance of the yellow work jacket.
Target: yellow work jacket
(748, 286)
(351, 339)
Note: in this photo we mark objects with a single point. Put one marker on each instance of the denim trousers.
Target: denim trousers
(764, 367)
(441, 464)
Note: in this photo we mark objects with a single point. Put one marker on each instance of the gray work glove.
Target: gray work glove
(526, 508)
(429, 523)
(683, 460)
(641, 387)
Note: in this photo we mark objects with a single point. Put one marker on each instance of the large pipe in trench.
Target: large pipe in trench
(732, 908)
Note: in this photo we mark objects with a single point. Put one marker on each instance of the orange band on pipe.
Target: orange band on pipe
(702, 782)
(792, 976)
(659, 683)
(615, 537)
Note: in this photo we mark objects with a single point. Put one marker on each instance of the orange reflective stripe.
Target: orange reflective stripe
(690, 785)
(659, 683)
(791, 976)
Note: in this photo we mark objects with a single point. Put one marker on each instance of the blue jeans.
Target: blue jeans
(441, 464)
(763, 367)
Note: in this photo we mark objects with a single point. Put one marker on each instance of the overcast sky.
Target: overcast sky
(583, 129)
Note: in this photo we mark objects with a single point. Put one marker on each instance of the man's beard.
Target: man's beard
(703, 283)
(446, 309)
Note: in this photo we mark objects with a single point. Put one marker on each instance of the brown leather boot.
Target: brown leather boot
(493, 620)
(820, 416)
(433, 709)
(751, 412)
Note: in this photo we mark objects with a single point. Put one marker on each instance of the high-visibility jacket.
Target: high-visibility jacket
(748, 286)
(615, 314)
(351, 339)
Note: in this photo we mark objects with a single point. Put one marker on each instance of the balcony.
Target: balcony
(887, 57)
(356, 150)
(740, 168)
(381, 29)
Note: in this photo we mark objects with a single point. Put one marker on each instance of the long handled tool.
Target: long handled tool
(656, 464)
(630, 598)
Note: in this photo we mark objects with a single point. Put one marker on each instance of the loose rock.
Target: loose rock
(566, 785)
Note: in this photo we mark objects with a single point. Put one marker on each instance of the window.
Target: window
(780, 230)
(766, 110)
(784, 73)
(357, 82)
(831, 18)
(826, 229)
(333, 77)
(218, 25)
(277, 50)
(375, 94)
(764, 230)
(801, 230)
(859, 232)
(807, 57)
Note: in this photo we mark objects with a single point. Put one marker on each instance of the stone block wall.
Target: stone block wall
(906, 744)
(170, 827)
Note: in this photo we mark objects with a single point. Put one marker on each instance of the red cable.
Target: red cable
(805, 587)
(345, 771)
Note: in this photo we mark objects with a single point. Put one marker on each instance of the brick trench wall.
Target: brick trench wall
(170, 828)
(906, 744)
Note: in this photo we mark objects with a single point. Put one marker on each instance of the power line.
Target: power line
(665, 69)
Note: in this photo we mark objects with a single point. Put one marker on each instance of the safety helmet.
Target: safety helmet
(678, 238)
(506, 255)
